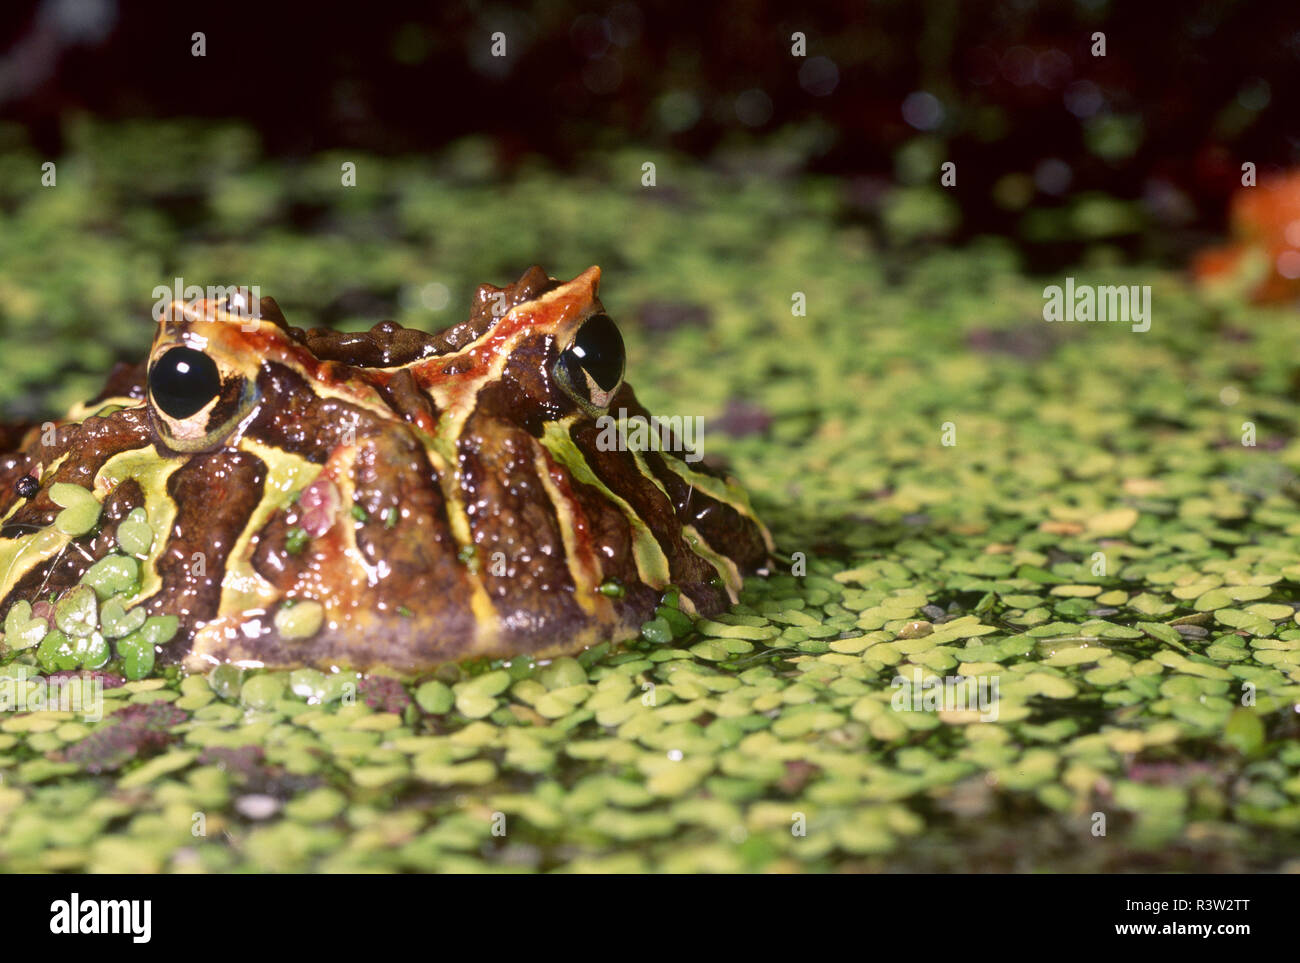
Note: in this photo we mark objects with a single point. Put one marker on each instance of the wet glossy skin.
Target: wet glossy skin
(441, 497)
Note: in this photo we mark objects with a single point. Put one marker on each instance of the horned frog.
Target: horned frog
(259, 494)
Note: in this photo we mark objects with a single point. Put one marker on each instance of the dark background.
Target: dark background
(1009, 91)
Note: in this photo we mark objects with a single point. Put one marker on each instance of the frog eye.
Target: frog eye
(183, 381)
(195, 404)
(590, 369)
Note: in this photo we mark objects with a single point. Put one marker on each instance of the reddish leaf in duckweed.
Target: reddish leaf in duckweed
(383, 694)
(138, 730)
(797, 775)
(109, 680)
(319, 502)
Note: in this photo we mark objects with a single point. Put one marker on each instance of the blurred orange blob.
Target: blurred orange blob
(1262, 259)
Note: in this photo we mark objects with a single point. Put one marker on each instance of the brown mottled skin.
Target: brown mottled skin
(476, 514)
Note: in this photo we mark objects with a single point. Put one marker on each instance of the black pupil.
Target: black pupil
(182, 381)
(598, 348)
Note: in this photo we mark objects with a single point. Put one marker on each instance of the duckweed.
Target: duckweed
(301, 620)
(57, 652)
(21, 630)
(134, 534)
(77, 613)
(263, 691)
(657, 631)
(111, 575)
(160, 629)
(116, 621)
(434, 697)
(226, 680)
(80, 509)
(309, 684)
(296, 541)
(137, 655)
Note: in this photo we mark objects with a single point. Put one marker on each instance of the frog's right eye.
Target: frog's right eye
(183, 381)
(195, 404)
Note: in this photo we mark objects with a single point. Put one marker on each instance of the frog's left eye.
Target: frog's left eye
(590, 369)
(183, 381)
(194, 402)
